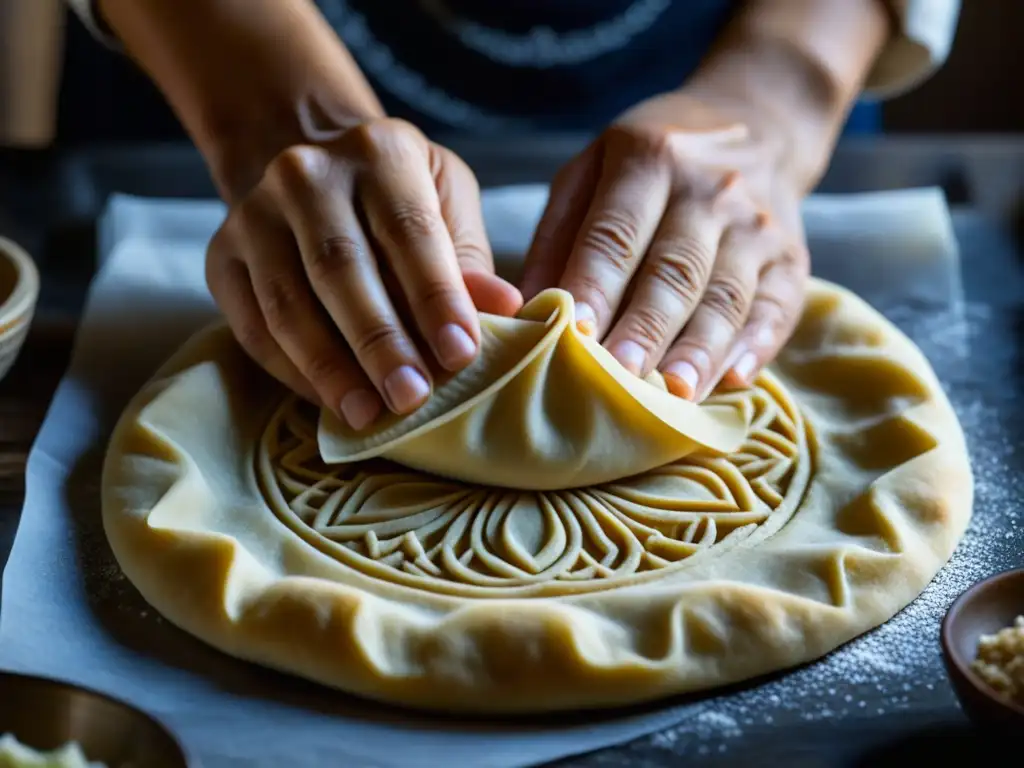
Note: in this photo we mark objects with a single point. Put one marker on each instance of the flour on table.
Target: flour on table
(886, 670)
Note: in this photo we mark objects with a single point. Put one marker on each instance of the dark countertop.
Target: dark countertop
(49, 201)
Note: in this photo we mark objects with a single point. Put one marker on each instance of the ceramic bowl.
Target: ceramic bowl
(46, 714)
(984, 609)
(19, 290)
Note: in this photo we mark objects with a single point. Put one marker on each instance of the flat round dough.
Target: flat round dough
(846, 490)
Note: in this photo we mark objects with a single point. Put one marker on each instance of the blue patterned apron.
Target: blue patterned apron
(508, 66)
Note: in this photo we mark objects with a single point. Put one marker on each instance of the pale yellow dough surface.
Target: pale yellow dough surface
(549, 532)
(543, 407)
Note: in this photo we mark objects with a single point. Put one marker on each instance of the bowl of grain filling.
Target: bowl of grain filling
(983, 649)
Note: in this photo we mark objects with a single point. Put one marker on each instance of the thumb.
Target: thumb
(492, 294)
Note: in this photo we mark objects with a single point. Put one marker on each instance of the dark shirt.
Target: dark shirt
(482, 67)
(509, 64)
(512, 65)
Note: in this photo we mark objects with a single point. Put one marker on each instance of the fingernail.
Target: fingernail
(360, 407)
(455, 347)
(631, 355)
(586, 319)
(686, 375)
(744, 367)
(406, 389)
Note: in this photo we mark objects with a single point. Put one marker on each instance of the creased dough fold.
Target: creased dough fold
(543, 407)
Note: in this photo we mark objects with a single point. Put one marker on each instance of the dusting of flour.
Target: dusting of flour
(889, 668)
(886, 670)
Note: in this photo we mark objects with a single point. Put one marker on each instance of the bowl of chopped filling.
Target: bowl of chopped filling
(50, 724)
(983, 649)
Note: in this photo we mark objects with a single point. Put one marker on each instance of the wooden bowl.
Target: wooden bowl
(984, 609)
(46, 714)
(19, 290)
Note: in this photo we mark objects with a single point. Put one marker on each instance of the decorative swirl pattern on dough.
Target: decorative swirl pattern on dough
(414, 528)
(213, 491)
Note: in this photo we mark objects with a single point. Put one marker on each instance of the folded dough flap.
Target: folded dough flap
(543, 407)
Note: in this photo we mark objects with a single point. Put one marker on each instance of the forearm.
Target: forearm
(247, 78)
(791, 71)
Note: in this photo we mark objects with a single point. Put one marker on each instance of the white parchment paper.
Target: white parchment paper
(68, 612)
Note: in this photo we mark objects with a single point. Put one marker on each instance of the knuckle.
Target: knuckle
(233, 233)
(323, 368)
(471, 255)
(731, 192)
(216, 273)
(376, 338)
(649, 326)
(253, 337)
(413, 221)
(566, 179)
(458, 168)
(297, 168)
(219, 249)
(772, 312)
(545, 238)
(727, 297)
(614, 235)
(439, 294)
(593, 291)
(650, 143)
(335, 255)
(682, 266)
(796, 258)
(278, 298)
(769, 305)
(378, 137)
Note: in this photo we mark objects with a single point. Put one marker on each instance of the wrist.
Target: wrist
(782, 71)
(247, 78)
(791, 113)
(238, 144)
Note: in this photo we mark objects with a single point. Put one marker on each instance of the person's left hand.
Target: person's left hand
(681, 241)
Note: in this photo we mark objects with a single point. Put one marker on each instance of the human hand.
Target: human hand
(681, 240)
(354, 270)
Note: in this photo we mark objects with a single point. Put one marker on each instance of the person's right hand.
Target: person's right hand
(321, 267)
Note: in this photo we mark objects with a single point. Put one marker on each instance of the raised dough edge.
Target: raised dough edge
(519, 656)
